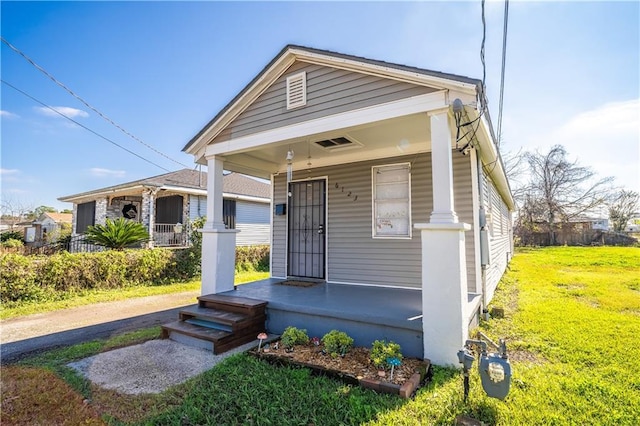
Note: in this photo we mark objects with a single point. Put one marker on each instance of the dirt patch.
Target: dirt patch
(526, 356)
(37, 396)
(355, 363)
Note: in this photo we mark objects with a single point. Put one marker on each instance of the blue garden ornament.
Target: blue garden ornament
(393, 362)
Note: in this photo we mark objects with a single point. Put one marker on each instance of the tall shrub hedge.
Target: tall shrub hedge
(54, 277)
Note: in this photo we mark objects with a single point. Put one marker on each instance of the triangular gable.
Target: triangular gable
(255, 108)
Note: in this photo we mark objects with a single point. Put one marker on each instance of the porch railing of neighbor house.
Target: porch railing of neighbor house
(170, 235)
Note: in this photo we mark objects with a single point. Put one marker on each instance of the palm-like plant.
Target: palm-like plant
(117, 234)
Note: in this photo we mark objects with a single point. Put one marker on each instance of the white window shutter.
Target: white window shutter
(297, 90)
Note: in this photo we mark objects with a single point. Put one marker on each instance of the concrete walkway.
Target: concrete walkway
(36, 333)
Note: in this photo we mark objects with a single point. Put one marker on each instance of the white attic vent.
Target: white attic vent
(297, 90)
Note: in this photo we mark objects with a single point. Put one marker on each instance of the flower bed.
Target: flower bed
(355, 367)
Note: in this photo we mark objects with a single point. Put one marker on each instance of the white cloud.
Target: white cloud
(5, 172)
(98, 172)
(68, 111)
(607, 139)
(7, 114)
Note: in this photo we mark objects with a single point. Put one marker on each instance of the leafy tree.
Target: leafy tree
(559, 190)
(37, 212)
(117, 234)
(622, 207)
(68, 211)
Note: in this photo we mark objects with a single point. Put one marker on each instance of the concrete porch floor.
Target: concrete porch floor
(366, 313)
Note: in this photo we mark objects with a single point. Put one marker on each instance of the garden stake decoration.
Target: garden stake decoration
(393, 362)
(261, 337)
(315, 341)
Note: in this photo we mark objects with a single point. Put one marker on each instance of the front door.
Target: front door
(307, 229)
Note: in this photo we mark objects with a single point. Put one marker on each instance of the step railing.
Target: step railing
(170, 235)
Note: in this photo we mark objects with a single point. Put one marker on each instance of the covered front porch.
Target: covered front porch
(366, 313)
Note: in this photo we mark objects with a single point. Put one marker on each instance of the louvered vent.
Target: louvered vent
(335, 143)
(297, 90)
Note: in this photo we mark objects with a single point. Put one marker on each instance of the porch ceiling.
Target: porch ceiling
(383, 139)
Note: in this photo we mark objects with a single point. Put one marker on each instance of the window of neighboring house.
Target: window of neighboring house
(85, 216)
(391, 201)
(229, 213)
(169, 210)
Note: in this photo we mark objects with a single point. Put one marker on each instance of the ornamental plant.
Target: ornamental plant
(337, 343)
(383, 350)
(294, 336)
(117, 234)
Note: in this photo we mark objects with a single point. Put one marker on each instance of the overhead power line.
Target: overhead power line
(72, 93)
(504, 59)
(82, 125)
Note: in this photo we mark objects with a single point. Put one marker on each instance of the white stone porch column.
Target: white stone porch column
(445, 323)
(218, 243)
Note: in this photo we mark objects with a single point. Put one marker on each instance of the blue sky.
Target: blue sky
(162, 70)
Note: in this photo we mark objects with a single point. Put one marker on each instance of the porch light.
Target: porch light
(289, 165)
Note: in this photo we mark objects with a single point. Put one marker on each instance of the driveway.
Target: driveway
(40, 332)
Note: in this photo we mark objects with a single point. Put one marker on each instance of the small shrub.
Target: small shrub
(381, 350)
(18, 279)
(117, 234)
(337, 343)
(12, 243)
(294, 336)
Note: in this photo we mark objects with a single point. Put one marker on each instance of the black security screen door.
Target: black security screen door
(306, 229)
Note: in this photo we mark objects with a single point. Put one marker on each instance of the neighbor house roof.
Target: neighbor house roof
(56, 217)
(291, 53)
(188, 181)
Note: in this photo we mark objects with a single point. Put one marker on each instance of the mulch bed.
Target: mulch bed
(354, 368)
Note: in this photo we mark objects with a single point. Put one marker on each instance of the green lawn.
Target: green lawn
(96, 296)
(572, 323)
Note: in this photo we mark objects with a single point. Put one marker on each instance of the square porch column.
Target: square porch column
(218, 243)
(445, 322)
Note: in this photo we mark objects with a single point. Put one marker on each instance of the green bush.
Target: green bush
(117, 234)
(382, 350)
(55, 277)
(294, 336)
(12, 243)
(11, 235)
(337, 343)
(252, 258)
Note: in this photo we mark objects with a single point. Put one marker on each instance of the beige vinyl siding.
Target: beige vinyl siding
(353, 255)
(499, 221)
(329, 91)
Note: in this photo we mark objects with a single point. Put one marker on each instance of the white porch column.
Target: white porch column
(445, 322)
(218, 243)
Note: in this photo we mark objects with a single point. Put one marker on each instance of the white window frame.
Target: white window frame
(375, 201)
(302, 76)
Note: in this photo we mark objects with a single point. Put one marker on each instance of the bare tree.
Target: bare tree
(13, 211)
(622, 207)
(561, 189)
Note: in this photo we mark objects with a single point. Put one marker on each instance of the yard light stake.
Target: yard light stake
(261, 337)
(393, 362)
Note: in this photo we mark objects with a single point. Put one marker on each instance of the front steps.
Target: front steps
(218, 323)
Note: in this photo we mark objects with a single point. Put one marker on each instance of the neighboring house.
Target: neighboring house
(406, 226)
(46, 228)
(167, 203)
(598, 224)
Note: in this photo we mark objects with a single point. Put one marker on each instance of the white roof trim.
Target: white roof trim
(293, 54)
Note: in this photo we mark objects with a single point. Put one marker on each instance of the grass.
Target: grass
(572, 320)
(97, 296)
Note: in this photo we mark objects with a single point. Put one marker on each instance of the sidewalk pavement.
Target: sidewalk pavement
(40, 332)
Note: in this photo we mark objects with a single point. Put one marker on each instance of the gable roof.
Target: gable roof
(188, 180)
(290, 53)
(56, 217)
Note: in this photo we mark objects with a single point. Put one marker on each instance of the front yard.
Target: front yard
(572, 320)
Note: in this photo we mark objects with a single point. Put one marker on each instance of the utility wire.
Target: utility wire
(504, 59)
(72, 93)
(484, 65)
(82, 125)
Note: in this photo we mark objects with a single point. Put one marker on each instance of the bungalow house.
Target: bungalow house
(388, 192)
(165, 204)
(46, 228)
